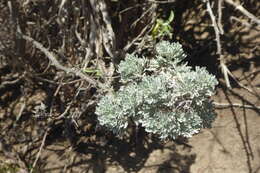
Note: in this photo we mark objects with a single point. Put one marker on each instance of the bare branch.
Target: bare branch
(220, 27)
(108, 33)
(52, 57)
(227, 105)
(244, 23)
(8, 83)
(244, 11)
(217, 34)
(240, 84)
(162, 2)
(126, 48)
(215, 26)
(39, 152)
(61, 6)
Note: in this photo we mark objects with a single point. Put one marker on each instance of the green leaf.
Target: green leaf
(171, 17)
(97, 72)
(163, 27)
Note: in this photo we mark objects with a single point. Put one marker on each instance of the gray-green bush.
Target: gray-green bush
(162, 94)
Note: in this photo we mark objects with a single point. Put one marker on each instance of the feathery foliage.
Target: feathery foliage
(163, 94)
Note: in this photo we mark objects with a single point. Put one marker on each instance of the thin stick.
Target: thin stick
(220, 27)
(227, 105)
(162, 2)
(52, 57)
(145, 29)
(244, 11)
(244, 23)
(21, 111)
(249, 75)
(240, 84)
(126, 48)
(143, 15)
(13, 82)
(129, 8)
(39, 152)
(217, 34)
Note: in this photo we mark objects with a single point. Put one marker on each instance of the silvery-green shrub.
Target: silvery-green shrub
(162, 94)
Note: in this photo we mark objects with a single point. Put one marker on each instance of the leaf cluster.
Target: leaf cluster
(163, 27)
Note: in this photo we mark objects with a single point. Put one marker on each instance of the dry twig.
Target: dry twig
(147, 29)
(220, 27)
(219, 49)
(244, 23)
(240, 84)
(244, 11)
(162, 2)
(52, 57)
(39, 152)
(227, 105)
(13, 82)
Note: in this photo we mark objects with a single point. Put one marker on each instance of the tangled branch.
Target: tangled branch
(52, 57)
(244, 11)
